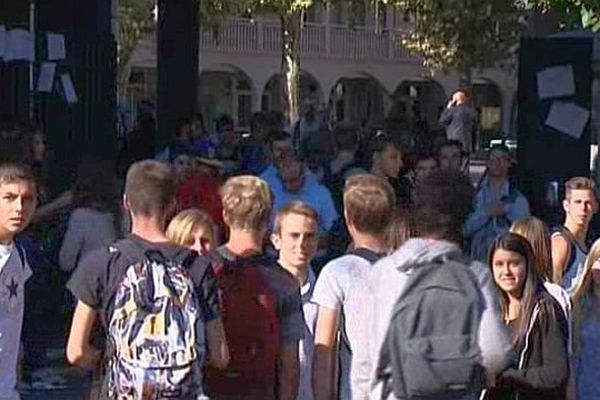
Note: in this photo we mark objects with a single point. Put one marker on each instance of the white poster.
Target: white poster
(46, 77)
(556, 81)
(56, 46)
(19, 45)
(568, 118)
(69, 89)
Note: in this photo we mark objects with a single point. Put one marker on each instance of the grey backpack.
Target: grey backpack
(431, 349)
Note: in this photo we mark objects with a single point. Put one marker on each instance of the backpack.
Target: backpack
(155, 333)
(252, 328)
(431, 349)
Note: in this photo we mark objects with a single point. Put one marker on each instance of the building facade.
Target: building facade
(355, 73)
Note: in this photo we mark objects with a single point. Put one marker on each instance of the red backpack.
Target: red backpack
(252, 328)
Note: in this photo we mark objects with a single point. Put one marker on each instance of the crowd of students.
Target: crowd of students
(347, 279)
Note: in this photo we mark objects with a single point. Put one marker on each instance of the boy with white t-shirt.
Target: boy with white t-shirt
(17, 204)
(296, 237)
(369, 202)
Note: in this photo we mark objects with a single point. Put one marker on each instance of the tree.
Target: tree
(579, 13)
(290, 15)
(136, 19)
(461, 35)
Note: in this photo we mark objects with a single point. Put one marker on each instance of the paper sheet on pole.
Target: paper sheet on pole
(68, 88)
(19, 45)
(2, 41)
(556, 81)
(568, 118)
(56, 46)
(46, 77)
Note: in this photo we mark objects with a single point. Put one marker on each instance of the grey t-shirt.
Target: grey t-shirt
(336, 289)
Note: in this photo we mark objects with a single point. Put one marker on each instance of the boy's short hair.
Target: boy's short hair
(150, 188)
(443, 201)
(369, 203)
(449, 143)
(580, 183)
(297, 208)
(277, 136)
(12, 171)
(247, 202)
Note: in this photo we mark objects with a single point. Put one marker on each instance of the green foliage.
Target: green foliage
(461, 34)
(580, 13)
(136, 19)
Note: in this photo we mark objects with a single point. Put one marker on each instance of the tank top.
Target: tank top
(575, 264)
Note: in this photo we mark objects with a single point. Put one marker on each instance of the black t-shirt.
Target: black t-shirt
(96, 279)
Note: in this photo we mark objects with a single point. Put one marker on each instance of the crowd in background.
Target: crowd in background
(368, 211)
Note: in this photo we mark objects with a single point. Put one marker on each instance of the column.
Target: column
(178, 35)
(14, 76)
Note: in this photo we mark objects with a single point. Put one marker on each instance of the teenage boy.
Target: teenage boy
(498, 203)
(17, 204)
(368, 204)
(261, 304)
(295, 184)
(443, 201)
(295, 236)
(450, 155)
(569, 248)
(156, 299)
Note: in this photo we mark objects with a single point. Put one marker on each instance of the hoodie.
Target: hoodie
(384, 286)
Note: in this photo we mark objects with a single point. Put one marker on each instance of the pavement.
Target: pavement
(77, 381)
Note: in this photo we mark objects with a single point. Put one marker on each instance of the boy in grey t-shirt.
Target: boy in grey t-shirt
(368, 203)
(17, 205)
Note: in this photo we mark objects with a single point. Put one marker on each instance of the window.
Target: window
(244, 110)
(336, 15)
(311, 15)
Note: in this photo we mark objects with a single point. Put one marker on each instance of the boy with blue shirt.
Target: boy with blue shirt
(17, 205)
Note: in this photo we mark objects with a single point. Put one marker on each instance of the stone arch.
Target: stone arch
(420, 102)
(359, 99)
(272, 92)
(226, 89)
(488, 101)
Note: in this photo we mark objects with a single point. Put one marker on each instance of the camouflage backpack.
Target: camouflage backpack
(155, 333)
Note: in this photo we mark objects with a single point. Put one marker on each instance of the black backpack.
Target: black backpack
(431, 349)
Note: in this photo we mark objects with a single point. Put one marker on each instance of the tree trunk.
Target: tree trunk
(123, 71)
(290, 64)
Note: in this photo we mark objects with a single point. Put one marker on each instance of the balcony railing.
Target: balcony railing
(240, 35)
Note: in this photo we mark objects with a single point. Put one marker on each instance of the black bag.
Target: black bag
(431, 349)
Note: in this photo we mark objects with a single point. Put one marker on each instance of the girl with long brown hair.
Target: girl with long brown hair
(536, 322)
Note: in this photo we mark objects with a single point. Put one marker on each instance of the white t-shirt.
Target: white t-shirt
(13, 275)
(336, 289)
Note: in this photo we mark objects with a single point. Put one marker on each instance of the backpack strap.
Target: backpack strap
(366, 254)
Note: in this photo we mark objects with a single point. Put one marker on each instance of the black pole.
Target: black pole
(87, 127)
(14, 75)
(177, 61)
